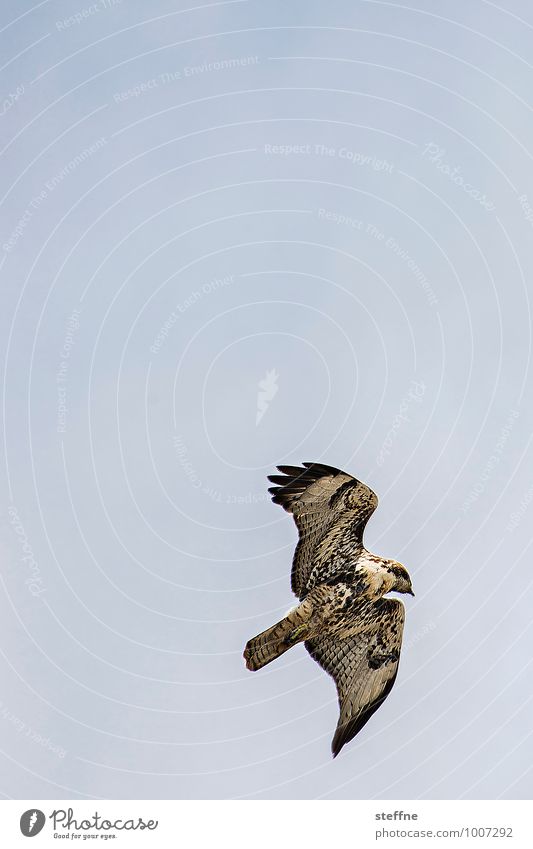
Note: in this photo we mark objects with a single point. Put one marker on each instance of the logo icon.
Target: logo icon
(267, 389)
(32, 822)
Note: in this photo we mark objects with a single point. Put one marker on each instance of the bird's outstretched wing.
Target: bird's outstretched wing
(363, 667)
(331, 509)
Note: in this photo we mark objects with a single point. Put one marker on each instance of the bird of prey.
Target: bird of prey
(348, 626)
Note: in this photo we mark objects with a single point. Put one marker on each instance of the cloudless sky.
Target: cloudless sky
(233, 235)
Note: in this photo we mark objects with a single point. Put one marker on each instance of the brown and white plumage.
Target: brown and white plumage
(364, 667)
(348, 627)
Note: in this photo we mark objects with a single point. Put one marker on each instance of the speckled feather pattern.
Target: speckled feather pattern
(349, 628)
(330, 509)
(362, 662)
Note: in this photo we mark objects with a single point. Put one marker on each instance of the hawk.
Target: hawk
(347, 624)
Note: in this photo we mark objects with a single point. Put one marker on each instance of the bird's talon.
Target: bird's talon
(297, 634)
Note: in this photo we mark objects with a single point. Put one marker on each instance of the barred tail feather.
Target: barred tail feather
(267, 646)
(278, 639)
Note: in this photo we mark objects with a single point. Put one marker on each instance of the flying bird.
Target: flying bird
(344, 619)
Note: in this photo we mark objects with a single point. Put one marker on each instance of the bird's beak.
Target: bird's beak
(411, 593)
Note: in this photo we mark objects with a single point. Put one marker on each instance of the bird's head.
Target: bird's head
(402, 581)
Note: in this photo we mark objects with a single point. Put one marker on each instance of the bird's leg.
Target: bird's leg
(308, 617)
(302, 621)
(298, 634)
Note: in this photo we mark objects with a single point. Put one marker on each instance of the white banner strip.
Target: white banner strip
(267, 824)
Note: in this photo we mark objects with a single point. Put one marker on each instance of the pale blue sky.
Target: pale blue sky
(340, 195)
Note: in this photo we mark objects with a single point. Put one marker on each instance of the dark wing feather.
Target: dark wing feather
(331, 509)
(364, 667)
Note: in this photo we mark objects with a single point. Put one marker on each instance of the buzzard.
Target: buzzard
(347, 624)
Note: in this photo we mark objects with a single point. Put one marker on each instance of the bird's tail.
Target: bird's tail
(278, 639)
